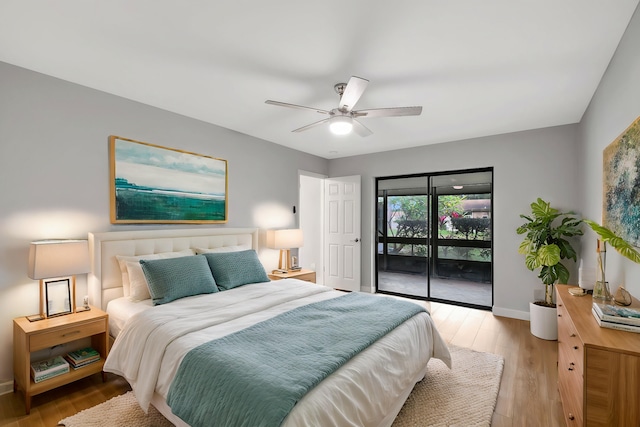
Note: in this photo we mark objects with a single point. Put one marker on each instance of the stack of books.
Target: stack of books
(616, 317)
(83, 357)
(49, 368)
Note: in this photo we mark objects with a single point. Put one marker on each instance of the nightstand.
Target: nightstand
(29, 337)
(306, 275)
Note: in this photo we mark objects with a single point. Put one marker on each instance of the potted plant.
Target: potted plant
(544, 246)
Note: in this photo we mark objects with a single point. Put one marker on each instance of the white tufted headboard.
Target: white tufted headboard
(105, 279)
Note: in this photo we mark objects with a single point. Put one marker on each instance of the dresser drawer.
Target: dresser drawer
(570, 347)
(66, 334)
(571, 387)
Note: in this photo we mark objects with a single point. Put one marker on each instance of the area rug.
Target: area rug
(463, 396)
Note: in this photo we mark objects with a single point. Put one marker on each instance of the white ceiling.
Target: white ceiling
(477, 67)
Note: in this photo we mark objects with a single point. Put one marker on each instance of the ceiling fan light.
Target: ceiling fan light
(341, 125)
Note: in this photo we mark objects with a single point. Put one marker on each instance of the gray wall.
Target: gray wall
(615, 105)
(527, 165)
(54, 174)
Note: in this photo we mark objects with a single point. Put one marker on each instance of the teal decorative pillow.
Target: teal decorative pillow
(174, 278)
(233, 269)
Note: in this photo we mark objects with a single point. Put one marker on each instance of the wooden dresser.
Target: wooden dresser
(598, 368)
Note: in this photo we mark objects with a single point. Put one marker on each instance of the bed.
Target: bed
(153, 343)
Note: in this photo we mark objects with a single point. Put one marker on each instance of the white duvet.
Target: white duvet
(152, 343)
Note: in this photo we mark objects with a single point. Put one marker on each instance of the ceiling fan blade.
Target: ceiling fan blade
(300, 107)
(352, 93)
(389, 112)
(303, 128)
(361, 129)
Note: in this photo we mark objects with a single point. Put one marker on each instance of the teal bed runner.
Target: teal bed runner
(255, 377)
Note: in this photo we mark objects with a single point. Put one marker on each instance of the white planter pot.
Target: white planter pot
(544, 322)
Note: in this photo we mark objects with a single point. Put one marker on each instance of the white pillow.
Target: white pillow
(122, 261)
(139, 288)
(200, 251)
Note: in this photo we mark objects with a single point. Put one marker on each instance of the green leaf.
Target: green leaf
(542, 209)
(547, 275)
(549, 255)
(566, 250)
(618, 243)
(524, 247)
(531, 261)
(561, 273)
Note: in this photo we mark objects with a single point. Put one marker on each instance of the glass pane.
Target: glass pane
(464, 253)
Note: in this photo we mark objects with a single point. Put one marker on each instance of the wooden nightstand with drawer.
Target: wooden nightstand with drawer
(29, 337)
(306, 275)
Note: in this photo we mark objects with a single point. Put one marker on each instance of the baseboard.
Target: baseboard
(6, 387)
(513, 314)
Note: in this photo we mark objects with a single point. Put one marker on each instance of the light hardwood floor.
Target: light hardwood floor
(528, 392)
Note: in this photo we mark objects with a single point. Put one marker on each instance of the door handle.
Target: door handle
(356, 240)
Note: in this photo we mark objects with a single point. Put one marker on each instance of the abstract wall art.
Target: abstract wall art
(621, 185)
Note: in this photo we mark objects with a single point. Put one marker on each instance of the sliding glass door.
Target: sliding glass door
(434, 237)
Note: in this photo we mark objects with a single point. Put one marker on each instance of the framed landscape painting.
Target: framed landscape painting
(154, 184)
(621, 178)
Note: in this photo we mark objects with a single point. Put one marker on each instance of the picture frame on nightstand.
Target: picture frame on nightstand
(58, 297)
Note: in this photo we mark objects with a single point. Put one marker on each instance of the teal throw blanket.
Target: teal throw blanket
(254, 377)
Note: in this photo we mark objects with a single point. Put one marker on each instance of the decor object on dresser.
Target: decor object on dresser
(154, 184)
(54, 260)
(621, 184)
(598, 368)
(601, 291)
(285, 240)
(544, 246)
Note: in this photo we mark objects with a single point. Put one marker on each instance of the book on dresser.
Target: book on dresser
(613, 325)
(49, 368)
(82, 357)
(617, 314)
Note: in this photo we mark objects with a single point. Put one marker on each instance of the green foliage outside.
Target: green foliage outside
(407, 217)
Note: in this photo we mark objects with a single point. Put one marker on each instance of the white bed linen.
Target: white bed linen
(153, 342)
(121, 309)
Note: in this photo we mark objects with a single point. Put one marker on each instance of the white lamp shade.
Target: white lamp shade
(58, 258)
(285, 239)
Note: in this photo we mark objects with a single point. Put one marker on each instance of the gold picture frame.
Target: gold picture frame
(154, 184)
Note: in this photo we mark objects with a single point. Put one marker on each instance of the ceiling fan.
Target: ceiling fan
(342, 120)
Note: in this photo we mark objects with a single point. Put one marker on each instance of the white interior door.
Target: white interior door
(342, 233)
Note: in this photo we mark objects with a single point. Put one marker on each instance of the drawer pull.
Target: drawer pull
(70, 333)
(559, 315)
(575, 347)
(571, 365)
(572, 335)
(571, 417)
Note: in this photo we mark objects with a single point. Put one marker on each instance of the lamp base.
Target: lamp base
(35, 317)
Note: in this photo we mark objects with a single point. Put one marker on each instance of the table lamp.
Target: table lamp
(285, 240)
(50, 260)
